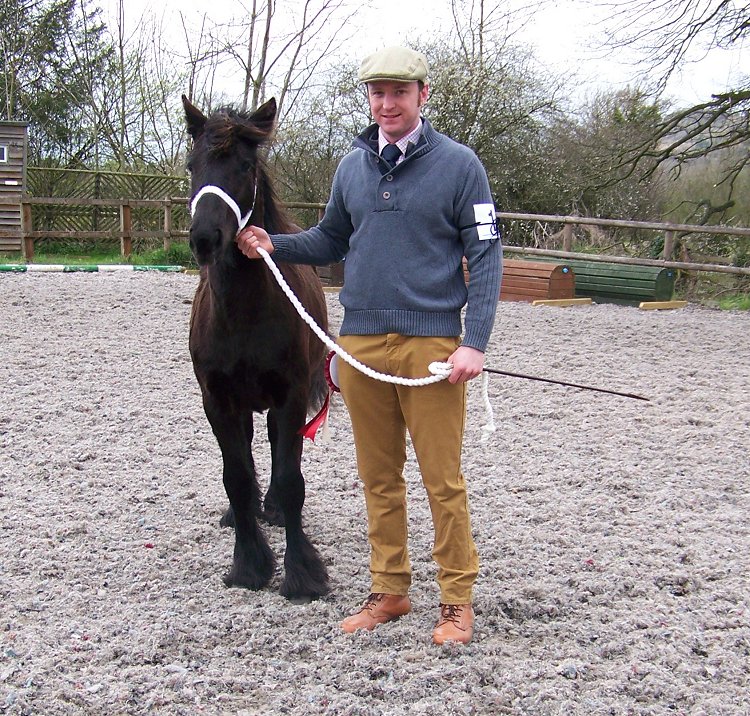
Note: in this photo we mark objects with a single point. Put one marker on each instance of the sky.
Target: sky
(566, 36)
(563, 34)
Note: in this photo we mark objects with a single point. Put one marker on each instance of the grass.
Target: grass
(740, 302)
(96, 253)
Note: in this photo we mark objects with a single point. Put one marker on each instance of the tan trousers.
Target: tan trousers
(434, 416)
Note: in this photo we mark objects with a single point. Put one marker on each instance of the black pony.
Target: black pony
(251, 352)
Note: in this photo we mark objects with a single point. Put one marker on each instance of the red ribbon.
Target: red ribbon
(312, 427)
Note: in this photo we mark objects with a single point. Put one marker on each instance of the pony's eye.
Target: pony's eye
(245, 167)
(189, 167)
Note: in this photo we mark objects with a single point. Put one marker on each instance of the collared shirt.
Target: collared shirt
(403, 143)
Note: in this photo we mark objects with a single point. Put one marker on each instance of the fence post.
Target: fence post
(167, 224)
(668, 245)
(568, 237)
(26, 229)
(97, 195)
(126, 228)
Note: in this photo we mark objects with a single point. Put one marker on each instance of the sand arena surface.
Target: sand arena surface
(614, 534)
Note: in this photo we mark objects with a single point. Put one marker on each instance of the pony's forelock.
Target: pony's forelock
(226, 126)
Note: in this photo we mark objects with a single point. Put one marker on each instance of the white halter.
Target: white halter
(231, 203)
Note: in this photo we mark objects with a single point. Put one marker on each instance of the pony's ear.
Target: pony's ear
(195, 119)
(264, 117)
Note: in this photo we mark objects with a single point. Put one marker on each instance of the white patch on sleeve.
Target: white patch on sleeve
(485, 218)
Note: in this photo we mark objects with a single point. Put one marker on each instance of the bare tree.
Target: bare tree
(135, 104)
(160, 81)
(667, 34)
(318, 133)
(488, 92)
(277, 47)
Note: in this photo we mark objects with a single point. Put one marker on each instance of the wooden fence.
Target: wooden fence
(99, 184)
(670, 231)
(127, 230)
(107, 212)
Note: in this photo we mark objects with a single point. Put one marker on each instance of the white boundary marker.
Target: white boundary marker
(85, 268)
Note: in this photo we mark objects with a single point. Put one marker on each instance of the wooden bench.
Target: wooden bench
(622, 283)
(534, 280)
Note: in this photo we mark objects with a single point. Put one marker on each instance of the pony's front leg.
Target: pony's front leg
(306, 577)
(253, 563)
(272, 512)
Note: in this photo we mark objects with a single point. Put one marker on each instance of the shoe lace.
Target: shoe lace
(372, 599)
(450, 613)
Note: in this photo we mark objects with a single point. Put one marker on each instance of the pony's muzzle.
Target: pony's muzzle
(214, 226)
(205, 243)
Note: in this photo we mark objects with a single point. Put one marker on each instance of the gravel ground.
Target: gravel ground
(613, 533)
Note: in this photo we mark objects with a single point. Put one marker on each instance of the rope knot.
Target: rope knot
(439, 368)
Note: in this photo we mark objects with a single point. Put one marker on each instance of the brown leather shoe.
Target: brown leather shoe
(456, 623)
(377, 609)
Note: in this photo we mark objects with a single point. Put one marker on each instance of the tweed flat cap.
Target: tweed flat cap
(398, 64)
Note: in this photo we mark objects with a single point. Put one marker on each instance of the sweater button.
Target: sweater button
(389, 177)
(386, 195)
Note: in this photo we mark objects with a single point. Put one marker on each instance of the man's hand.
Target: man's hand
(467, 364)
(250, 238)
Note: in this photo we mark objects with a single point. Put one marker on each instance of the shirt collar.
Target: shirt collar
(403, 143)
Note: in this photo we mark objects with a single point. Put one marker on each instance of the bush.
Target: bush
(178, 254)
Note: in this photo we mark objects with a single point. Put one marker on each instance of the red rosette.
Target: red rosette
(332, 371)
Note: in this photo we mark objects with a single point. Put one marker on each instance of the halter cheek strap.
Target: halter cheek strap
(231, 203)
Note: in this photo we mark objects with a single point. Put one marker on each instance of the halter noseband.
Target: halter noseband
(231, 203)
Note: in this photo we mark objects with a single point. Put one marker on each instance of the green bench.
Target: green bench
(622, 283)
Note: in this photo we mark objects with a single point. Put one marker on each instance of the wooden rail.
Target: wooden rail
(669, 230)
(126, 234)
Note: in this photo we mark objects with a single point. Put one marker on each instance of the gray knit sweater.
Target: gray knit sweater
(403, 233)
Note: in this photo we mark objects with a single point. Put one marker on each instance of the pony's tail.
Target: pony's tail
(318, 387)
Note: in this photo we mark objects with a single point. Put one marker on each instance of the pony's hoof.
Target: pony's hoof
(227, 519)
(301, 601)
(253, 582)
(254, 575)
(305, 588)
(317, 592)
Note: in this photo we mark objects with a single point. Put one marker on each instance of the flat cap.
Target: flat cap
(398, 64)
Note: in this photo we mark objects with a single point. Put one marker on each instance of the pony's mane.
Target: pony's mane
(275, 217)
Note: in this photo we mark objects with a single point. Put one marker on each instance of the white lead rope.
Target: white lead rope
(440, 370)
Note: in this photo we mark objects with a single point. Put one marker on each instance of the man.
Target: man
(406, 204)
